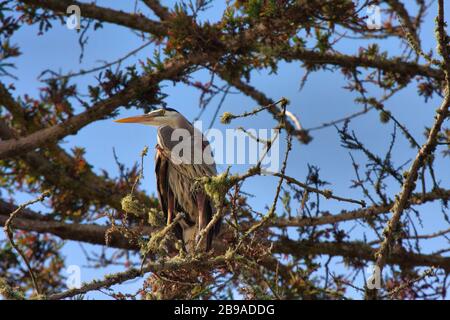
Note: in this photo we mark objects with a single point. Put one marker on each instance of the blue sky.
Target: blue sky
(321, 100)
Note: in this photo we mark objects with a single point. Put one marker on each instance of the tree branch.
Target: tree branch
(95, 234)
(161, 11)
(364, 213)
(425, 151)
(172, 69)
(360, 251)
(93, 11)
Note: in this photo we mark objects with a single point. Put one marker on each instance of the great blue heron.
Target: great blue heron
(178, 165)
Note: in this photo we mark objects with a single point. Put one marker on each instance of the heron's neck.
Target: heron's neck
(180, 123)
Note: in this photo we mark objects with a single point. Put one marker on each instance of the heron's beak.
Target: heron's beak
(136, 119)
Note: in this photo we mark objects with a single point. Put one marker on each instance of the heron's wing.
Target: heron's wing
(162, 181)
(209, 157)
(165, 194)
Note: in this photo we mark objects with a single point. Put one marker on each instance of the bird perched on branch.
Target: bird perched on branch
(183, 155)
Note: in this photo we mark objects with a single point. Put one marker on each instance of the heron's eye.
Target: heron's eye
(163, 112)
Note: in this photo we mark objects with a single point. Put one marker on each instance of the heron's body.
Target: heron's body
(177, 173)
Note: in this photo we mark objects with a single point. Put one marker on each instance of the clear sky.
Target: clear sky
(322, 99)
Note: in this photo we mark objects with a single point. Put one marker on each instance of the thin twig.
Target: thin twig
(409, 283)
(141, 171)
(9, 233)
(106, 65)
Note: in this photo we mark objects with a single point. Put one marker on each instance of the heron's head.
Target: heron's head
(158, 117)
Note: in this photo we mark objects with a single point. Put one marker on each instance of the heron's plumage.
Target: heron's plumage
(177, 179)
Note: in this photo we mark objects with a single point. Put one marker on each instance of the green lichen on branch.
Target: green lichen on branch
(156, 218)
(156, 244)
(385, 116)
(161, 241)
(9, 293)
(226, 118)
(133, 206)
(216, 187)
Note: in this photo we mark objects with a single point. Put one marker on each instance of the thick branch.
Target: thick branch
(173, 264)
(360, 251)
(98, 111)
(89, 233)
(364, 213)
(389, 65)
(93, 11)
(95, 234)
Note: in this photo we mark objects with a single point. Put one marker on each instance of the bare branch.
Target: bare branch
(9, 233)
